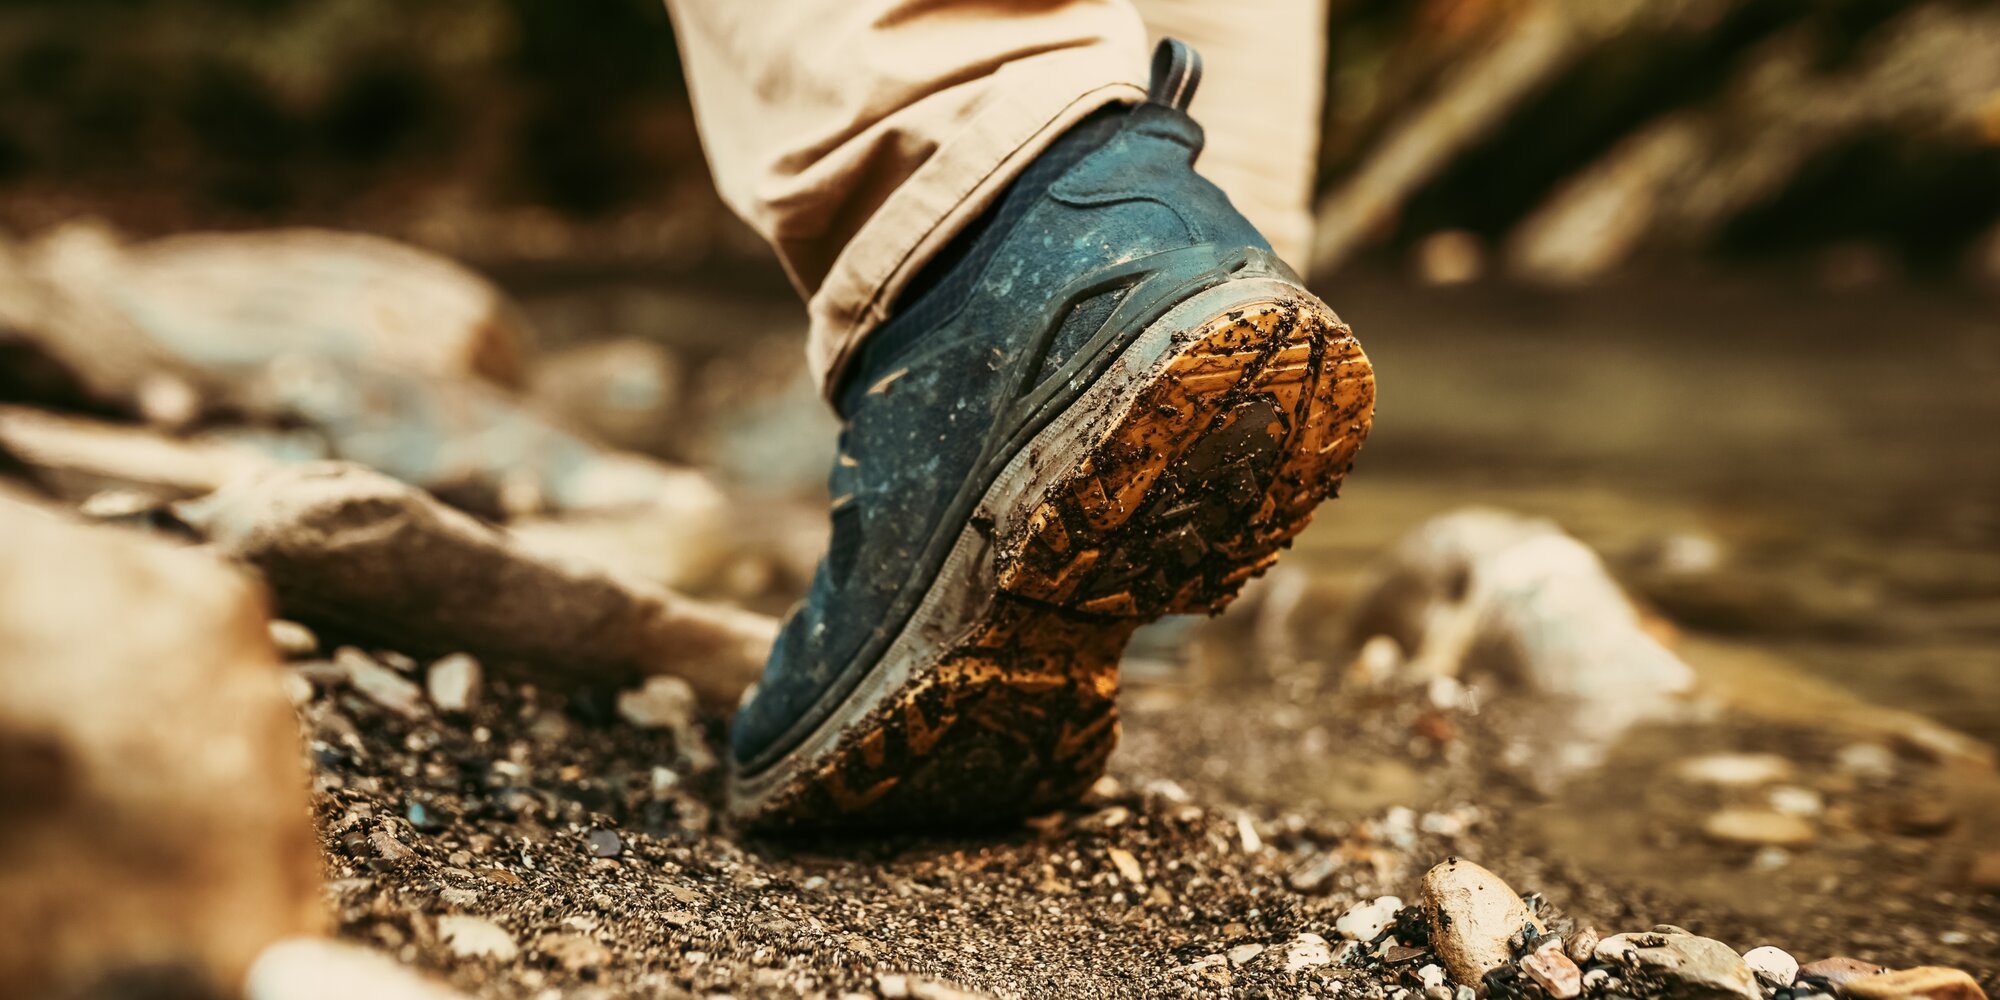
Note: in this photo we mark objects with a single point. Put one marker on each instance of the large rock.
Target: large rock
(370, 556)
(155, 810)
(1473, 916)
(1680, 965)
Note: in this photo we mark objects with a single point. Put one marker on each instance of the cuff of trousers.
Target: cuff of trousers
(1031, 103)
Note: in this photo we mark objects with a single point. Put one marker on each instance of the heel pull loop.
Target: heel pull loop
(1176, 74)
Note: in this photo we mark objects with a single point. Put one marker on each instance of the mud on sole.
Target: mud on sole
(1176, 478)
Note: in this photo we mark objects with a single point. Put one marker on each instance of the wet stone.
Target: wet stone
(1306, 951)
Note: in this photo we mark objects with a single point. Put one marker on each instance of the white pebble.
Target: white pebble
(1244, 952)
(455, 683)
(1307, 951)
(1734, 770)
(1773, 966)
(294, 640)
(1866, 760)
(471, 936)
(1793, 800)
(1364, 921)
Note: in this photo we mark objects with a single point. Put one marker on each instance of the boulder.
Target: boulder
(156, 802)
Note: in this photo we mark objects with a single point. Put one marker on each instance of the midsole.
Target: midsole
(962, 592)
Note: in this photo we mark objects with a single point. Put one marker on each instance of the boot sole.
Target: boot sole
(1178, 476)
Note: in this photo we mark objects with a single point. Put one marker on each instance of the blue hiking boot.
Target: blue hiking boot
(1106, 402)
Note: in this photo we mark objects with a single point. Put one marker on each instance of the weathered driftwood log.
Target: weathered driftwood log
(153, 807)
(360, 552)
(76, 457)
(1673, 184)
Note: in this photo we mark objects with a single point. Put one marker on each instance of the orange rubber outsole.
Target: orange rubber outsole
(1187, 488)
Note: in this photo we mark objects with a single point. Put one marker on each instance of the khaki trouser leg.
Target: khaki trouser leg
(859, 136)
(1263, 87)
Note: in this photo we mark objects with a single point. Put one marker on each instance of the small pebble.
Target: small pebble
(1366, 921)
(455, 683)
(1244, 952)
(662, 702)
(422, 817)
(1581, 944)
(1793, 800)
(294, 640)
(1734, 770)
(1770, 859)
(1127, 865)
(1306, 951)
(298, 690)
(1773, 966)
(1867, 760)
(470, 936)
(1432, 976)
(1316, 873)
(379, 684)
(1757, 827)
(606, 843)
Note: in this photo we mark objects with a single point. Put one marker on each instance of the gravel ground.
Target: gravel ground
(1238, 814)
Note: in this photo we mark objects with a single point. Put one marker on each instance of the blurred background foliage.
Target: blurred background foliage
(507, 130)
